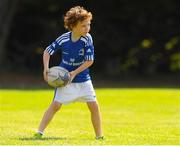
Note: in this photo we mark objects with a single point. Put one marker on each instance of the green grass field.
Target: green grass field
(130, 116)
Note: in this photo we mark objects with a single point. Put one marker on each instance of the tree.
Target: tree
(7, 10)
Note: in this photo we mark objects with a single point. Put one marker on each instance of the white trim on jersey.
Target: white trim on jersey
(84, 40)
(63, 40)
(89, 57)
(63, 35)
(88, 36)
(49, 50)
(87, 40)
(52, 52)
(60, 39)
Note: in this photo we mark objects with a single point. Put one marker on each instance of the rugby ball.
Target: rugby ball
(58, 76)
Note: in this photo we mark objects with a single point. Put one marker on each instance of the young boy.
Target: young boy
(77, 56)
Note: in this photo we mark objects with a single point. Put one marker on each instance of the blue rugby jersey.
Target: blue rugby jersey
(74, 54)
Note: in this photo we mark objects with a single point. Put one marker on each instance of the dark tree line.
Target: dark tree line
(7, 10)
(130, 37)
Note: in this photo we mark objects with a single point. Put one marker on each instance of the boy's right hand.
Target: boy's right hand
(45, 73)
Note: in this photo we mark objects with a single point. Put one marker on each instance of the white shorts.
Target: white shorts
(82, 92)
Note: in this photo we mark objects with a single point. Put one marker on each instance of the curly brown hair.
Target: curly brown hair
(75, 15)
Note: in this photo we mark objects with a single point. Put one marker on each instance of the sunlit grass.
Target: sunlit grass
(130, 116)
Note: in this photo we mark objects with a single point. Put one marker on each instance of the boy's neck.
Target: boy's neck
(75, 36)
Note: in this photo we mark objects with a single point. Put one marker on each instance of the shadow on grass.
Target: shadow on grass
(43, 138)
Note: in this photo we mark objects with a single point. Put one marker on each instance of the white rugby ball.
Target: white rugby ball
(58, 76)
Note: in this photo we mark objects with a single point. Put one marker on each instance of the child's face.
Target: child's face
(83, 27)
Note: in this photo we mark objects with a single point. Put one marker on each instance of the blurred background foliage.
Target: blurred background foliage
(130, 37)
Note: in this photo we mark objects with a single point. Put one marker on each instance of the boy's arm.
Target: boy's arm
(46, 58)
(84, 66)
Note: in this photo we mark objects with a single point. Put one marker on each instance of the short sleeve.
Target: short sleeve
(51, 49)
(89, 48)
(57, 44)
